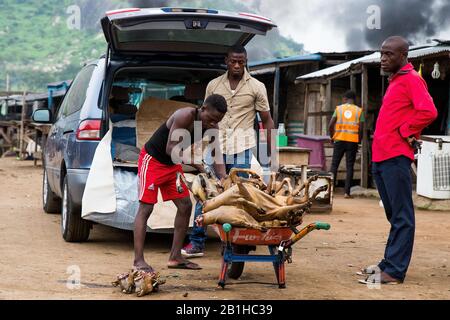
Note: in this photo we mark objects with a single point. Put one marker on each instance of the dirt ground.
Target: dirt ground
(35, 262)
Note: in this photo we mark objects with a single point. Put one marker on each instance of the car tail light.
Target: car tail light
(110, 13)
(89, 130)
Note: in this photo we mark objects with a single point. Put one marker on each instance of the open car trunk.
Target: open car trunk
(137, 31)
(154, 94)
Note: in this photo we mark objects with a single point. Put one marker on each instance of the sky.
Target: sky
(340, 25)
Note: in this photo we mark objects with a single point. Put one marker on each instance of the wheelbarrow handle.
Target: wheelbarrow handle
(227, 227)
(305, 231)
(322, 226)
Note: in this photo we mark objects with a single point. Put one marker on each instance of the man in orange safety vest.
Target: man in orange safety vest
(346, 132)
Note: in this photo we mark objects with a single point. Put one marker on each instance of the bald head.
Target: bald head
(394, 54)
(398, 43)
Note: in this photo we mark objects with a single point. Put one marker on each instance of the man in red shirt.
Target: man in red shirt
(407, 109)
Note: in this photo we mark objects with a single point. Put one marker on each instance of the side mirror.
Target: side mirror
(42, 116)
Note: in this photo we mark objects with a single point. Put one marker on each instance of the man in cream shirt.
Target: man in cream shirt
(245, 96)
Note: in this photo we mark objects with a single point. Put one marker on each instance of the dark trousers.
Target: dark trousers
(349, 149)
(394, 183)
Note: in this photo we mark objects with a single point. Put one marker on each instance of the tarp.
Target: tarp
(111, 193)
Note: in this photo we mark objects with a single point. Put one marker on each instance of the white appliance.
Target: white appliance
(433, 168)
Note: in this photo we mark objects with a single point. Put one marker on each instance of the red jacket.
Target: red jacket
(407, 109)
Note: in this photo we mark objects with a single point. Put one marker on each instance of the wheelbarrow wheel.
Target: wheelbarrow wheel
(237, 268)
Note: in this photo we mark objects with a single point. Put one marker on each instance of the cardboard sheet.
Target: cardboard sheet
(153, 112)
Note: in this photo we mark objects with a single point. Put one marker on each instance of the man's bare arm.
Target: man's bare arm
(269, 125)
(219, 167)
(182, 120)
(332, 126)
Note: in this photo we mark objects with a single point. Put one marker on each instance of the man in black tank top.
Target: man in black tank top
(156, 146)
(158, 169)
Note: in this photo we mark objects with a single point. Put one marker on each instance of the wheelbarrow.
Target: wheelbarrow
(279, 241)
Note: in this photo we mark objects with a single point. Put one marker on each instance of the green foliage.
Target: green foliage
(38, 43)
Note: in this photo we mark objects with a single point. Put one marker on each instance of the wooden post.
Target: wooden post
(5, 136)
(328, 107)
(353, 82)
(36, 136)
(276, 96)
(22, 126)
(305, 124)
(448, 118)
(365, 140)
(323, 106)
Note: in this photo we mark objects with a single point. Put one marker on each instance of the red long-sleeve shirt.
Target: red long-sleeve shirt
(407, 109)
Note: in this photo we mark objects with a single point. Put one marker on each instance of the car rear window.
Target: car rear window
(213, 37)
(148, 89)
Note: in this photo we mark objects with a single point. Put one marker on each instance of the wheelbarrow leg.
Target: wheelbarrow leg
(279, 267)
(281, 276)
(227, 255)
(223, 274)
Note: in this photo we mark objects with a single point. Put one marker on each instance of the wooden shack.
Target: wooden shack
(17, 129)
(324, 90)
(287, 99)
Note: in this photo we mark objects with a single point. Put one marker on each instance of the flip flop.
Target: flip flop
(375, 280)
(366, 272)
(185, 265)
(372, 282)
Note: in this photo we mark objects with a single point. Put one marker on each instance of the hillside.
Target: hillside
(47, 41)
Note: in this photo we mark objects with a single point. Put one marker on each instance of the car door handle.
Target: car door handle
(67, 132)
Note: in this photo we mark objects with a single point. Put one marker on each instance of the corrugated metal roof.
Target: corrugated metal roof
(340, 67)
(261, 71)
(44, 96)
(59, 83)
(293, 59)
(33, 97)
(428, 51)
(361, 52)
(372, 58)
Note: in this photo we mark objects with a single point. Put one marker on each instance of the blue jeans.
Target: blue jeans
(241, 161)
(393, 179)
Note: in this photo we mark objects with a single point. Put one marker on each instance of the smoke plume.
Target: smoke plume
(343, 24)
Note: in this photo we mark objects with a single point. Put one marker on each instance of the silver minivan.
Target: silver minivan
(157, 60)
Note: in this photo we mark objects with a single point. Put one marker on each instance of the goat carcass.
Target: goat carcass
(125, 282)
(138, 281)
(147, 283)
(249, 202)
(250, 198)
(229, 214)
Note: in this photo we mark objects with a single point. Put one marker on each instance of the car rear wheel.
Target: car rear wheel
(73, 227)
(50, 201)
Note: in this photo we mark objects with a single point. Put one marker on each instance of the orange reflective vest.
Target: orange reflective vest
(347, 125)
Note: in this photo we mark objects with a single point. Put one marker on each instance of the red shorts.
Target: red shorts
(154, 176)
